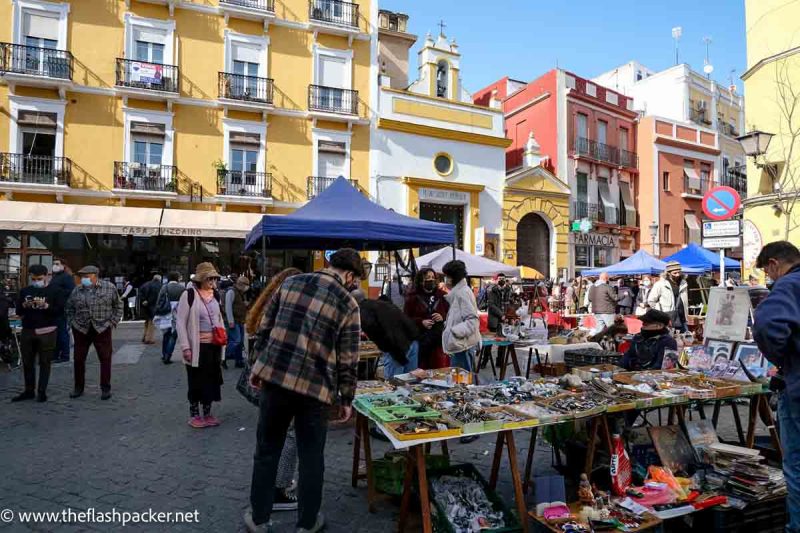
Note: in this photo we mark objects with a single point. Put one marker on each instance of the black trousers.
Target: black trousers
(43, 346)
(278, 408)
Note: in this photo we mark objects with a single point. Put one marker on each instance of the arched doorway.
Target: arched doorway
(533, 243)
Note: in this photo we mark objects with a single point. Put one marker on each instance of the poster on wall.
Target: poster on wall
(728, 313)
(491, 244)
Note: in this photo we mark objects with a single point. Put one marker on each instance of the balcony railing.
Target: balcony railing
(736, 177)
(36, 169)
(699, 116)
(332, 100)
(316, 184)
(260, 5)
(142, 177)
(333, 12)
(597, 213)
(726, 128)
(606, 153)
(245, 88)
(35, 61)
(697, 186)
(148, 76)
(244, 183)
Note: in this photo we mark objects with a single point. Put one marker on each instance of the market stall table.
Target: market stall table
(649, 522)
(504, 349)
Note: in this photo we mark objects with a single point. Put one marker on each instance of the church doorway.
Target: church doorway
(533, 243)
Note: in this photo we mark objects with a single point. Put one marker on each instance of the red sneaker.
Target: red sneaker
(198, 422)
(211, 420)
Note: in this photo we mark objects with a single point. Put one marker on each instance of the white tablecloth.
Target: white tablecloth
(556, 352)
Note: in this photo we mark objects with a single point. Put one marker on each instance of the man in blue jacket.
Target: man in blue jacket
(776, 330)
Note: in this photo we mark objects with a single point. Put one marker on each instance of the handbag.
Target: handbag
(243, 386)
(219, 337)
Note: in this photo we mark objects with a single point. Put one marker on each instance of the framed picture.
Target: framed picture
(697, 358)
(728, 314)
(719, 351)
(750, 357)
(670, 361)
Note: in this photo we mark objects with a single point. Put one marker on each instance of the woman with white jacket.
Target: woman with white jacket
(461, 337)
(671, 295)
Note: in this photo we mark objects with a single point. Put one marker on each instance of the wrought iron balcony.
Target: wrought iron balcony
(332, 100)
(245, 88)
(316, 184)
(595, 212)
(244, 183)
(699, 116)
(148, 76)
(35, 169)
(628, 159)
(333, 12)
(35, 61)
(260, 5)
(142, 177)
(696, 186)
(736, 177)
(606, 153)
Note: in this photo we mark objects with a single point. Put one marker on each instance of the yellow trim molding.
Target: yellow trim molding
(438, 112)
(449, 159)
(442, 100)
(436, 184)
(443, 133)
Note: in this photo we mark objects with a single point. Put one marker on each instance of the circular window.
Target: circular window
(443, 164)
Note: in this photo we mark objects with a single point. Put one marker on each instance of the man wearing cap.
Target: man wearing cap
(670, 295)
(648, 346)
(309, 362)
(94, 308)
(235, 316)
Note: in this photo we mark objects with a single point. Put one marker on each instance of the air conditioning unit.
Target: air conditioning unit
(701, 105)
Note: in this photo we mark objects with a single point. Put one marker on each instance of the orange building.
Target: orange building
(677, 166)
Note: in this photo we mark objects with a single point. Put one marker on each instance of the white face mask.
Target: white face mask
(58, 268)
(646, 283)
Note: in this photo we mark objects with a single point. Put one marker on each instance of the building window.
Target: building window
(246, 58)
(602, 132)
(582, 256)
(40, 24)
(667, 235)
(705, 174)
(442, 79)
(151, 52)
(443, 164)
(623, 139)
(582, 125)
(665, 181)
(146, 152)
(602, 256)
(332, 159)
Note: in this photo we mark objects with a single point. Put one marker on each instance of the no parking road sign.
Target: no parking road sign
(721, 203)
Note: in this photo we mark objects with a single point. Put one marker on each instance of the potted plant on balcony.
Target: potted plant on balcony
(222, 172)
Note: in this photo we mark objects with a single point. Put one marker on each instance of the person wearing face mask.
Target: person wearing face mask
(201, 338)
(499, 298)
(648, 346)
(309, 363)
(670, 295)
(235, 316)
(39, 306)
(63, 282)
(427, 307)
(776, 330)
(641, 297)
(93, 310)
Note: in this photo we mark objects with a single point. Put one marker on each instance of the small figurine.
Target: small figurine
(585, 494)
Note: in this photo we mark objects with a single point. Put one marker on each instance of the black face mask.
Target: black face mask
(650, 333)
(502, 283)
(429, 286)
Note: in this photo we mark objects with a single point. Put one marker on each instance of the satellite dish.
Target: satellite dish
(708, 69)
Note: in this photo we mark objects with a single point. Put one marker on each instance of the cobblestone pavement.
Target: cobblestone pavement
(136, 452)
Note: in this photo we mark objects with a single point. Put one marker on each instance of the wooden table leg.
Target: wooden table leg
(356, 450)
(368, 460)
(498, 455)
(680, 410)
(424, 500)
(514, 359)
(607, 434)
(529, 462)
(751, 421)
(502, 352)
(769, 421)
(522, 510)
(528, 366)
(737, 421)
(701, 410)
(445, 450)
(407, 479)
(590, 451)
(715, 416)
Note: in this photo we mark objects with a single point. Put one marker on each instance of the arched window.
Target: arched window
(442, 75)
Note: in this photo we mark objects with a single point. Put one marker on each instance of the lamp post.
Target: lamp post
(755, 143)
(653, 227)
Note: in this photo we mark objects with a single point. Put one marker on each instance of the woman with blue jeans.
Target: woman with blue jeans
(461, 338)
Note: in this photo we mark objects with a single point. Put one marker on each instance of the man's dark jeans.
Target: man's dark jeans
(62, 342)
(33, 345)
(168, 343)
(103, 347)
(278, 408)
(789, 418)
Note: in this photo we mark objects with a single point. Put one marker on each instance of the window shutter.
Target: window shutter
(250, 54)
(249, 139)
(149, 36)
(332, 72)
(148, 128)
(41, 26)
(37, 119)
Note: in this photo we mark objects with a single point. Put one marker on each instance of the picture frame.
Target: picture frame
(719, 350)
(697, 358)
(728, 314)
(749, 356)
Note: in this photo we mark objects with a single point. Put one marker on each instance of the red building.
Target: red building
(589, 134)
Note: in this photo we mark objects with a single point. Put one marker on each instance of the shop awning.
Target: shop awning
(639, 263)
(38, 216)
(630, 208)
(693, 226)
(213, 224)
(695, 260)
(609, 207)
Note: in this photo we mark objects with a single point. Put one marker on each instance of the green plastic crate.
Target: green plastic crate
(389, 471)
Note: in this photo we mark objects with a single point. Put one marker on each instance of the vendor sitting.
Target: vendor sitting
(648, 346)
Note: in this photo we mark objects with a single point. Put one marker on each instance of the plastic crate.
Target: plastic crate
(438, 515)
(389, 471)
(765, 516)
(591, 356)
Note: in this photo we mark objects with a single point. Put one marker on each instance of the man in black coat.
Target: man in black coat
(62, 282)
(392, 331)
(498, 300)
(148, 297)
(648, 346)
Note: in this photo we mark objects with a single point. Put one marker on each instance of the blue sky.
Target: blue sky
(525, 38)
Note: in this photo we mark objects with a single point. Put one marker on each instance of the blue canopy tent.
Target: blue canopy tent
(343, 217)
(639, 263)
(696, 259)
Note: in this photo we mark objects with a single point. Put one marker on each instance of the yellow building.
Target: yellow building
(183, 120)
(772, 85)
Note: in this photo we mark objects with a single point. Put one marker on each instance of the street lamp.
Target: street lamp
(755, 143)
(653, 227)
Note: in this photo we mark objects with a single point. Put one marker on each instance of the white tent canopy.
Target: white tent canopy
(477, 266)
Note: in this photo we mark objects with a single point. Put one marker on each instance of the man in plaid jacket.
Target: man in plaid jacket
(309, 363)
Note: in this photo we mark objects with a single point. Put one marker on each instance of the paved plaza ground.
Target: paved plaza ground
(136, 452)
